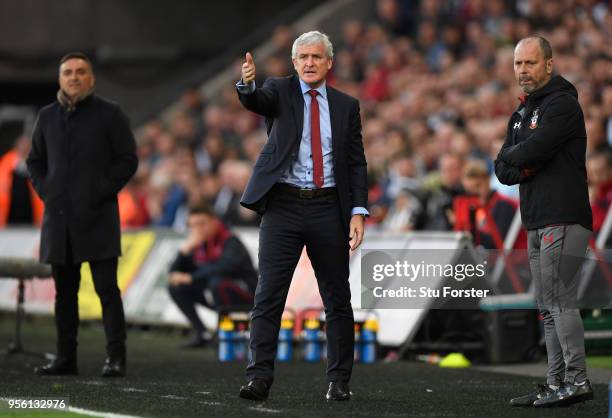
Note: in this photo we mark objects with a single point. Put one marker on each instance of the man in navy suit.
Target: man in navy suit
(309, 183)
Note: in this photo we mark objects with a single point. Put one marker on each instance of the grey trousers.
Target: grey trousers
(556, 254)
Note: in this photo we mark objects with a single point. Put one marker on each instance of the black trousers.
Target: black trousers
(67, 279)
(223, 292)
(289, 224)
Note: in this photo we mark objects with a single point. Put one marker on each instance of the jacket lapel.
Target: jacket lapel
(297, 105)
(335, 120)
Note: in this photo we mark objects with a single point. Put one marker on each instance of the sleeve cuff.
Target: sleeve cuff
(245, 88)
(360, 211)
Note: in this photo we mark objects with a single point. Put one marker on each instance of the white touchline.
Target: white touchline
(173, 397)
(272, 411)
(99, 414)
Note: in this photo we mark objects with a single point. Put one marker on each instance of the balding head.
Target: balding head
(542, 43)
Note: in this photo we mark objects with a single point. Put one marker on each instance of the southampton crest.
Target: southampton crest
(534, 119)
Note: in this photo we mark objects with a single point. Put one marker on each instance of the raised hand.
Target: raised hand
(248, 69)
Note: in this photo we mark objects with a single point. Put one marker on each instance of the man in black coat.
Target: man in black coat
(212, 268)
(545, 151)
(309, 183)
(83, 153)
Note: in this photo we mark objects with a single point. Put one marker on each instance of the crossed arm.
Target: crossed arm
(515, 163)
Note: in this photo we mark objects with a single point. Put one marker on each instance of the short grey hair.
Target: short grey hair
(310, 38)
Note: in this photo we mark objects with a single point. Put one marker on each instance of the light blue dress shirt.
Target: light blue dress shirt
(300, 172)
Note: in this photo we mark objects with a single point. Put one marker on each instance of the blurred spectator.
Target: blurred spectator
(404, 213)
(132, 199)
(393, 16)
(398, 190)
(193, 105)
(443, 188)
(19, 203)
(165, 145)
(184, 189)
(183, 129)
(212, 268)
(482, 211)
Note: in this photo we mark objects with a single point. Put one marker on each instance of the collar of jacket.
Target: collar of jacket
(69, 104)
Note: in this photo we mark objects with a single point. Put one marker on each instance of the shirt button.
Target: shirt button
(61, 212)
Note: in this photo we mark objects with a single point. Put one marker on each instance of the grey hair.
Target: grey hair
(313, 37)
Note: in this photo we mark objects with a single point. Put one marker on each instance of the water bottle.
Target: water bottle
(285, 341)
(368, 341)
(312, 340)
(226, 340)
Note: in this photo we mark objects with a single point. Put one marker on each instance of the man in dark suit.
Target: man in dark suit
(83, 153)
(309, 183)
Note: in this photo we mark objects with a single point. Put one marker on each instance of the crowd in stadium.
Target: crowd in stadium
(436, 85)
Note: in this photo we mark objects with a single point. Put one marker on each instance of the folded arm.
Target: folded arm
(555, 128)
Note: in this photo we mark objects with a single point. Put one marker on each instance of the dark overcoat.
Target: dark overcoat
(79, 161)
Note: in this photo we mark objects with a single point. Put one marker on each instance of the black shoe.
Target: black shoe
(61, 366)
(528, 400)
(255, 390)
(338, 391)
(566, 395)
(113, 367)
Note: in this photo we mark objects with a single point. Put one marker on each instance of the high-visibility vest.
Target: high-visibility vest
(8, 163)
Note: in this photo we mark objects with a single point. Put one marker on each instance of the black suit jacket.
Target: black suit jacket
(78, 163)
(281, 101)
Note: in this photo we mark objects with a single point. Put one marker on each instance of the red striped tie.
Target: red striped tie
(315, 140)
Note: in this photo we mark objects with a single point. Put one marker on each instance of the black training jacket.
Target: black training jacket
(544, 151)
